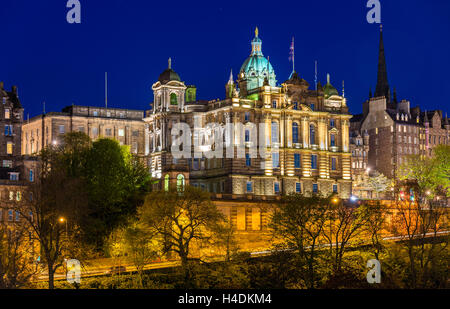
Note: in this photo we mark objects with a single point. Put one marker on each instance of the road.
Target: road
(100, 271)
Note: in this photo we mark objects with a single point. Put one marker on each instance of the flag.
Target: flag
(291, 53)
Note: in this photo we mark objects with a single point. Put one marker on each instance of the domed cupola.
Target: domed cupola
(257, 68)
(169, 75)
(328, 89)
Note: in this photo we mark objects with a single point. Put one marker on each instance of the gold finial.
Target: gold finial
(170, 63)
(381, 27)
(256, 32)
(328, 78)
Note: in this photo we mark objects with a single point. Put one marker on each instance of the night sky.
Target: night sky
(60, 63)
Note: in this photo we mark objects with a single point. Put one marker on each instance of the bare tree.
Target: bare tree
(298, 223)
(55, 201)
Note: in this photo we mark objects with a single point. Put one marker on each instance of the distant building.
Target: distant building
(395, 129)
(15, 170)
(126, 126)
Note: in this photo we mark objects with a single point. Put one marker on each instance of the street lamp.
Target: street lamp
(335, 200)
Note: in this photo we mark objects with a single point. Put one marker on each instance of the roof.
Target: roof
(168, 75)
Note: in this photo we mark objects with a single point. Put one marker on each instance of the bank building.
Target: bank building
(306, 133)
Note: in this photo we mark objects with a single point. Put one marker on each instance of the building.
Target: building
(126, 126)
(306, 133)
(359, 147)
(395, 129)
(15, 170)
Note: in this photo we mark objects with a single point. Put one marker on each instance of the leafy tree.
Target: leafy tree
(378, 183)
(431, 175)
(182, 220)
(116, 183)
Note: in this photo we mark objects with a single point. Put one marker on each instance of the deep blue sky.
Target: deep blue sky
(61, 63)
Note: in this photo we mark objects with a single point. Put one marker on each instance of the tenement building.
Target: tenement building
(15, 170)
(124, 125)
(396, 130)
(305, 133)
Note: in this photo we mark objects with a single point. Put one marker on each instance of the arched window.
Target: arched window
(180, 182)
(295, 132)
(173, 99)
(247, 135)
(312, 134)
(166, 182)
(274, 132)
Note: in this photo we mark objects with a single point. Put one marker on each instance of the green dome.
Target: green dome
(257, 68)
(328, 89)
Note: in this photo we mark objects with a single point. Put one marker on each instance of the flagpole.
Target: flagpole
(293, 55)
(106, 89)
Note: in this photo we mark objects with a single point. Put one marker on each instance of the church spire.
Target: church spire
(382, 89)
(230, 80)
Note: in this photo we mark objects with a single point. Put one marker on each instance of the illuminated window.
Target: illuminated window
(121, 132)
(62, 129)
(95, 131)
(173, 99)
(180, 182)
(7, 113)
(295, 132)
(166, 183)
(9, 148)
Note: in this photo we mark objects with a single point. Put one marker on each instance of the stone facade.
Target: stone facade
(306, 132)
(124, 125)
(396, 130)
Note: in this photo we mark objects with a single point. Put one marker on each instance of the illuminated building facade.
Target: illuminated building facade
(306, 133)
(124, 125)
